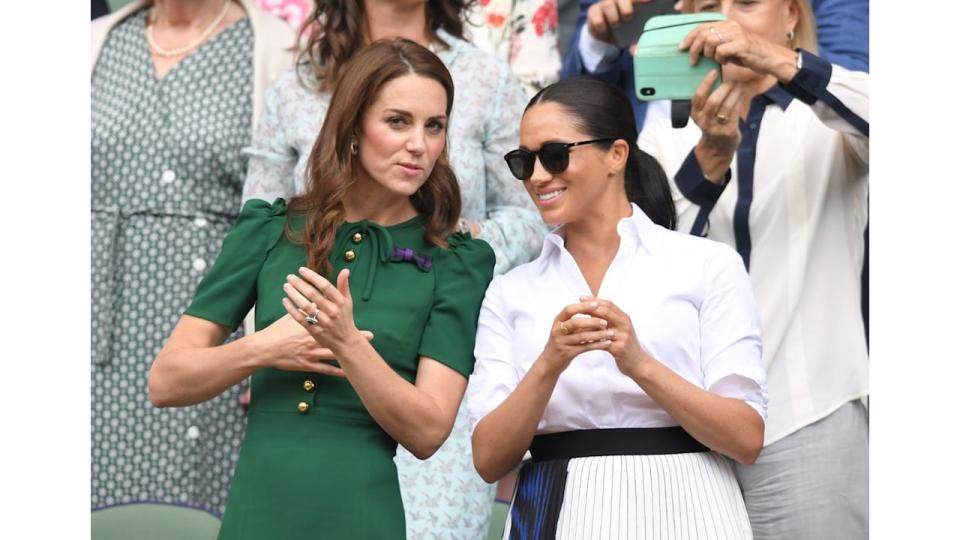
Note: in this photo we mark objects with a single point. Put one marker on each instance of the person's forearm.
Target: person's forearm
(503, 436)
(412, 417)
(183, 376)
(726, 425)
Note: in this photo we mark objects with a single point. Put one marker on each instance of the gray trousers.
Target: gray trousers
(812, 484)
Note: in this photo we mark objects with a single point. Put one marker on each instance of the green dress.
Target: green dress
(314, 463)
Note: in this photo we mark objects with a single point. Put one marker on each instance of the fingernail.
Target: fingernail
(291, 277)
(610, 333)
(594, 304)
(303, 269)
(603, 323)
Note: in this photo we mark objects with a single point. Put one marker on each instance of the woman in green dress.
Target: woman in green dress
(366, 311)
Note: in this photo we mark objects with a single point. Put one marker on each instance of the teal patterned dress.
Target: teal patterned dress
(167, 173)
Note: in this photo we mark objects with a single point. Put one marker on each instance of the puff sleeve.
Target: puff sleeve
(229, 289)
(463, 273)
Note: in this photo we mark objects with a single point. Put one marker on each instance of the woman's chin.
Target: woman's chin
(551, 216)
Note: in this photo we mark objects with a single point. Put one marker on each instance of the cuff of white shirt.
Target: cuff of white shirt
(744, 388)
(810, 82)
(595, 54)
(694, 185)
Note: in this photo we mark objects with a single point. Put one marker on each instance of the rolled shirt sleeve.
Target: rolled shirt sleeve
(731, 347)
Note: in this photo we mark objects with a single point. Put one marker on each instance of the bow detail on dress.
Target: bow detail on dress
(400, 254)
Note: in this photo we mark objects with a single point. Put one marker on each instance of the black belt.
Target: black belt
(614, 442)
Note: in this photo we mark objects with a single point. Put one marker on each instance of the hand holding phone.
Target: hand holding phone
(620, 22)
(661, 70)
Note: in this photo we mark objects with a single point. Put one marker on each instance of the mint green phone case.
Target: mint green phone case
(660, 70)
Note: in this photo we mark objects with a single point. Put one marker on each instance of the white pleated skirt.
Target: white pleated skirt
(642, 497)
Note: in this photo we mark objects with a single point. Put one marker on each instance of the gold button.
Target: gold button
(349, 255)
(357, 238)
(308, 386)
(303, 407)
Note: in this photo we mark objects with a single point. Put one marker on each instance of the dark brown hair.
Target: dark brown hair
(332, 168)
(336, 33)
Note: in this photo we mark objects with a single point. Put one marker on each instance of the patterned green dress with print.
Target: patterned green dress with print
(314, 463)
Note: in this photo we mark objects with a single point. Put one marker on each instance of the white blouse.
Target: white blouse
(692, 308)
(795, 207)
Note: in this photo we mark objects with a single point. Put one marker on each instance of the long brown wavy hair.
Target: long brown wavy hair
(336, 33)
(332, 168)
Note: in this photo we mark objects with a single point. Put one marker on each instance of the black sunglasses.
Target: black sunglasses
(553, 156)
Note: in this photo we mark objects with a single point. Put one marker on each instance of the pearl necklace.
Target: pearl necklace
(203, 36)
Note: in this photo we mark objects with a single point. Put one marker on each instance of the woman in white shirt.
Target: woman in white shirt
(776, 165)
(626, 357)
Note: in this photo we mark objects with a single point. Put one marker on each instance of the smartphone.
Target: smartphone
(629, 31)
(660, 69)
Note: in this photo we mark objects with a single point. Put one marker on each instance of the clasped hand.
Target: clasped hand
(324, 310)
(594, 324)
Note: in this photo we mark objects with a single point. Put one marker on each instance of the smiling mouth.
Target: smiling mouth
(550, 195)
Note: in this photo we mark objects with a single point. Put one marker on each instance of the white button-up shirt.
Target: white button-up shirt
(691, 305)
(795, 207)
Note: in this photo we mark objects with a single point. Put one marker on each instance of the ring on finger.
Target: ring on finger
(563, 329)
(717, 34)
(722, 119)
(312, 319)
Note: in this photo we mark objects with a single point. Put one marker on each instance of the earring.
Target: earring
(353, 147)
(790, 35)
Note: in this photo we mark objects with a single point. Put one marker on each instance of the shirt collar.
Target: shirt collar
(776, 94)
(637, 229)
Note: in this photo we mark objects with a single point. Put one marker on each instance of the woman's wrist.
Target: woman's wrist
(347, 350)
(714, 162)
(783, 63)
(546, 369)
(642, 368)
(256, 353)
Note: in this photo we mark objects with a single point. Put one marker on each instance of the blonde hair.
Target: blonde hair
(805, 33)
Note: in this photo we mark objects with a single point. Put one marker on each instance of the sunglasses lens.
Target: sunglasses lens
(520, 163)
(554, 157)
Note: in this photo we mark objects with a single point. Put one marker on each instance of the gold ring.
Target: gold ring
(722, 119)
(563, 329)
